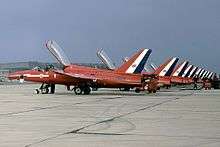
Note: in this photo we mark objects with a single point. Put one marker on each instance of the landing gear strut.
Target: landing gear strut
(52, 88)
(46, 88)
(87, 90)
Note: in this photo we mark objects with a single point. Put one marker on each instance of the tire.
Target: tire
(127, 89)
(137, 90)
(94, 89)
(78, 90)
(124, 89)
(86, 90)
(45, 90)
(37, 91)
(121, 89)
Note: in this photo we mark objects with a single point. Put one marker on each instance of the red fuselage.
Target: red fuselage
(168, 80)
(99, 77)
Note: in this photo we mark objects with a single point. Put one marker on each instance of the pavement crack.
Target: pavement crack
(78, 131)
(30, 110)
(102, 133)
(56, 106)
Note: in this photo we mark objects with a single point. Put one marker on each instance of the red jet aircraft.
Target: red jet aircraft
(84, 78)
(163, 72)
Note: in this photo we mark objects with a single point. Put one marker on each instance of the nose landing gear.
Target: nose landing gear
(46, 88)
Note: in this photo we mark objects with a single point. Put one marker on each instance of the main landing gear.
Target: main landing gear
(82, 90)
(46, 88)
(124, 89)
(50, 88)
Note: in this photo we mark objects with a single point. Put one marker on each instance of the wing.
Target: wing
(77, 77)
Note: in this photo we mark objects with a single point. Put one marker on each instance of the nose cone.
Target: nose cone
(17, 75)
(13, 76)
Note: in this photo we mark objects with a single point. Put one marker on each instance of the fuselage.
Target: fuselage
(168, 80)
(105, 78)
(99, 77)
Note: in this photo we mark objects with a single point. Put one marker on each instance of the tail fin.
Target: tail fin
(167, 68)
(210, 75)
(214, 76)
(187, 71)
(206, 76)
(136, 63)
(153, 66)
(196, 75)
(193, 72)
(204, 73)
(57, 52)
(201, 73)
(179, 70)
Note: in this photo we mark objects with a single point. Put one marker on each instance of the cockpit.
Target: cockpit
(38, 68)
(47, 68)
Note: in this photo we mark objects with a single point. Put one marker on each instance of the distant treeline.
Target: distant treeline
(16, 66)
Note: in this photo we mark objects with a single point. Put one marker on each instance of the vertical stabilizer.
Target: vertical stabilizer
(193, 71)
(136, 63)
(187, 71)
(180, 69)
(167, 68)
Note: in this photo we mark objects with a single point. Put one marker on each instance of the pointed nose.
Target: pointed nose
(13, 76)
(17, 75)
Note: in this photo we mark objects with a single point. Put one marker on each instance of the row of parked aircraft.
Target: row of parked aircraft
(130, 75)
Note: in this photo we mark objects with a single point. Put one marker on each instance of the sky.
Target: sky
(188, 29)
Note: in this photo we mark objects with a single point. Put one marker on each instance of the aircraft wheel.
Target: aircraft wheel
(124, 89)
(45, 90)
(121, 89)
(137, 90)
(94, 89)
(87, 90)
(78, 90)
(37, 91)
(127, 89)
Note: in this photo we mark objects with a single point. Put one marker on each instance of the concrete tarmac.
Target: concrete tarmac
(108, 118)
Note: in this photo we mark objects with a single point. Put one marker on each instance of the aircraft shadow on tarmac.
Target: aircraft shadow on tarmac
(120, 93)
(105, 94)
